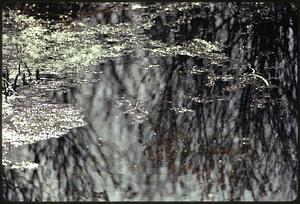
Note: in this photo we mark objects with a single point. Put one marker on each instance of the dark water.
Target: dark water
(182, 127)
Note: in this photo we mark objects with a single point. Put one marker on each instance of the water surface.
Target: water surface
(186, 101)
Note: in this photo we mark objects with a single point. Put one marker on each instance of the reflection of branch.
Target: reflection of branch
(226, 20)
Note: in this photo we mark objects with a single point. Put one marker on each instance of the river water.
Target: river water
(202, 107)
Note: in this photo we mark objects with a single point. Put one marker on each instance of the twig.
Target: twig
(29, 73)
(7, 74)
(11, 124)
(3, 79)
(16, 79)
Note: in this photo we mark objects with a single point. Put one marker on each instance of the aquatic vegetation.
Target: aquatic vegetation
(27, 117)
(47, 47)
(196, 48)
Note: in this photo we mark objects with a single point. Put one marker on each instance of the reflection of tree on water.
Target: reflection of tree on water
(217, 134)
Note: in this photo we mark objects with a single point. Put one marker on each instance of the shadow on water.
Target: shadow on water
(182, 127)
